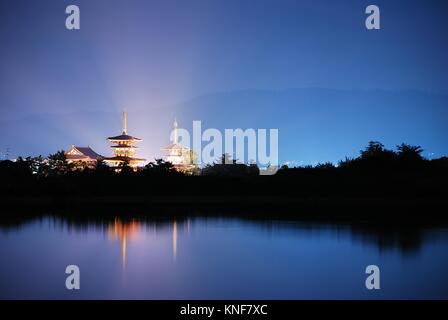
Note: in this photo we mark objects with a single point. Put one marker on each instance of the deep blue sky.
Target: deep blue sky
(153, 57)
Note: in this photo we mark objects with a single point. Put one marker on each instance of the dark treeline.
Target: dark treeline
(377, 181)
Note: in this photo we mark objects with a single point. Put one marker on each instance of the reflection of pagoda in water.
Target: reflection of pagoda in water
(124, 149)
(122, 231)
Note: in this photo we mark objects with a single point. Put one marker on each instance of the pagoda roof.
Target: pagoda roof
(124, 137)
(124, 147)
(78, 153)
(89, 152)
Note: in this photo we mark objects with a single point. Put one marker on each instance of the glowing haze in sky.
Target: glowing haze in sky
(309, 68)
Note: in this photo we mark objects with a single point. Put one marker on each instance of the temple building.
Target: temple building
(124, 149)
(184, 159)
(82, 155)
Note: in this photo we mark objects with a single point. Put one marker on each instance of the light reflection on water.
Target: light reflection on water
(219, 258)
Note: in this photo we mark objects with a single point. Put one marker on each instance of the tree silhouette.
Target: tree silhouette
(80, 166)
(14, 171)
(376, 150)
(229, 167)
(409, 156)
(226, 159)
(160, 167)
(38, 165)
(125, 169)
(101, 168)
(57, 164)
(326, 165)
(408, 152)
(374, 157)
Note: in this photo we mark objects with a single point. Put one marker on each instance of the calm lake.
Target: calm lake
(218, 258)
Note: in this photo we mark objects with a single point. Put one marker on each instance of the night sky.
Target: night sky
(307, 67)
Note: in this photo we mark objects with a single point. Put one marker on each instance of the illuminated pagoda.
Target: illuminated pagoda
(124, 149)
(184, 159)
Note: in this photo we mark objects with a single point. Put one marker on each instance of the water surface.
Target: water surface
(219, 258)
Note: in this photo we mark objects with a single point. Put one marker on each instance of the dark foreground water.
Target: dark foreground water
(219, 258)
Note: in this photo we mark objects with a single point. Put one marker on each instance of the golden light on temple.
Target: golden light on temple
(183, 159)
(123, 231)
(124, 148)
